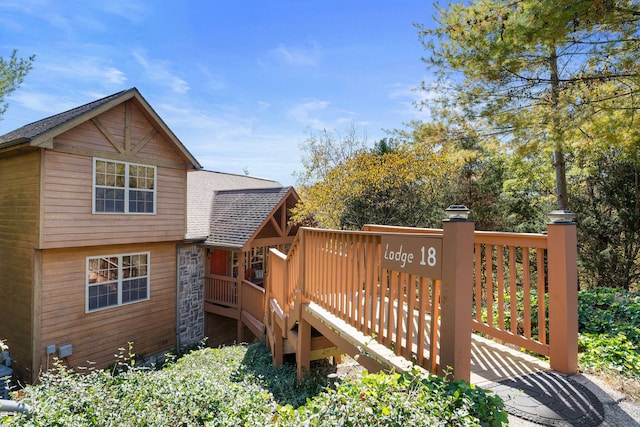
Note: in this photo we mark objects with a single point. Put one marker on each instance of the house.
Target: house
(92, 219)
(233, 220)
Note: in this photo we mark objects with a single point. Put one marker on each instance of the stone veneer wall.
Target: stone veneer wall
(191, 263)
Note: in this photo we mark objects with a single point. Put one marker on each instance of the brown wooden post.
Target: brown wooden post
(284, 288)
(239, 279)
(303, 352)
(302, 262)
(562, 255)
(278, 344)
(456, 296)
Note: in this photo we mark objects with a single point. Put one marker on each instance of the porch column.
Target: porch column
(456, 298)
(562, 255)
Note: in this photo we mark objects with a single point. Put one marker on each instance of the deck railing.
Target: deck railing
(510, 289)
(518, 288)
(277, 278)
(343, 275)
(252, 298)
(221, 290)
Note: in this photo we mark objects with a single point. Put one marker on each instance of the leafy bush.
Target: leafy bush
(608, 353)
(196, 390)
(609, 325)
(610, 311)
(398, 400)
(236, 385)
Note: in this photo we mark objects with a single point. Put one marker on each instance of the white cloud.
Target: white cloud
(297, 56)
(43, 102)
(216, 126)
(317, 115)
(90, 69)
(272, 155)
(307, 113)
(212, 81)
(130, 10)
(158, 71)
(263, 106)
(226, 140)
(407, 97)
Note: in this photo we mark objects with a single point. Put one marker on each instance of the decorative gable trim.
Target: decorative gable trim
(42, 133)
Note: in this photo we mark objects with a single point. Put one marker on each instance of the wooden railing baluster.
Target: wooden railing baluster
(341, 272)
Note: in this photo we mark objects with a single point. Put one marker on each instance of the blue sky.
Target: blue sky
(241, 83)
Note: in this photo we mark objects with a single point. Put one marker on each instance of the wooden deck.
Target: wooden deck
(495, 362)
(491, 361)
(394, 315)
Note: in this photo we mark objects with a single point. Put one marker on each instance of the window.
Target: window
(255, 264)
(120, 187)
(115, 280)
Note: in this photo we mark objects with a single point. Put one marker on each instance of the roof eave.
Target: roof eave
(167, 131)
(12, 145)
(45, 139)
(224, 246)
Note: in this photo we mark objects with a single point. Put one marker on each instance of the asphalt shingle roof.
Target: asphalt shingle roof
(32, 130)
(37, 132)
(201, 186)
(237, 214)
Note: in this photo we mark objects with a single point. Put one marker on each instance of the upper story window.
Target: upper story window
(117, 280)
(121, 187)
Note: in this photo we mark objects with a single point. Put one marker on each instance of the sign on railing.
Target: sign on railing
(419, 255)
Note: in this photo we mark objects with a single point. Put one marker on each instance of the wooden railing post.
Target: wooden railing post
(241, 272)
(562, 255)
(303, 352)
(301, 261)
(456, 296)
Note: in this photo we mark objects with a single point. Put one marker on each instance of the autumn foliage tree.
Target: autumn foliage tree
(395, 183)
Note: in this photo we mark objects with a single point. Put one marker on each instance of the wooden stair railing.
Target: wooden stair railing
(339, 281)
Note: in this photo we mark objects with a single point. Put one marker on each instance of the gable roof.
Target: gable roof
(42, 132)
(238, 214)
(201, 186)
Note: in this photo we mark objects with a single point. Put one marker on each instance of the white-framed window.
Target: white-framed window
(114, 280)
(121, 187)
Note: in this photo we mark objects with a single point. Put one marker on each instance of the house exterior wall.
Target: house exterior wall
(96, 336)
(19, 220)
(191, 271)
(68, 175)
(48, 229)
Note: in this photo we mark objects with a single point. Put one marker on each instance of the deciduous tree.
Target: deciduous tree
(399, 182)
(12, 73)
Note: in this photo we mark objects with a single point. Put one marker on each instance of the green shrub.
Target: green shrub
(610, 311)
(398, 400)
(236, 385)
(612, 354)
(609, 325)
